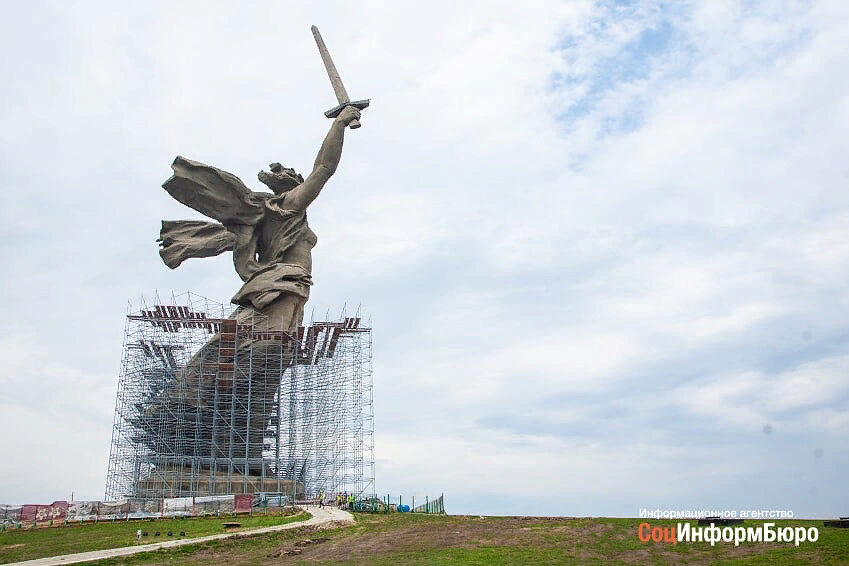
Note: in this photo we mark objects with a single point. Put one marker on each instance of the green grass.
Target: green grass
(16, 545)
(402, 538)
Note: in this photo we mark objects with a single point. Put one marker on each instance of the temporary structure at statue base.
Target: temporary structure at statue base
(211, 401)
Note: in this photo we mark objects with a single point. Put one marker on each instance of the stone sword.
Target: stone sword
(335, 80)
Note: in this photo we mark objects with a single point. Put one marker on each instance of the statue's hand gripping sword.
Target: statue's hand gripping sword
(336, 81)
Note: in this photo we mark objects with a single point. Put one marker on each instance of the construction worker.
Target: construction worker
(351, 501)
(321, 498)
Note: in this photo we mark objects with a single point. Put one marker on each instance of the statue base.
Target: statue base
(182, 483)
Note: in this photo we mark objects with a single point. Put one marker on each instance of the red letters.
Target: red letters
(645, 533)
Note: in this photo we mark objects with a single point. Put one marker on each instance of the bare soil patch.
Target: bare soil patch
(577, 538)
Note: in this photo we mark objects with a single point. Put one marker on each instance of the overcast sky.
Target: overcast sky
(605, 245)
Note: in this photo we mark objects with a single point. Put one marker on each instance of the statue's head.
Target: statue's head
(281, 179)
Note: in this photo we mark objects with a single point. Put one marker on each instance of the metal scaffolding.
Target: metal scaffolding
(211, 401)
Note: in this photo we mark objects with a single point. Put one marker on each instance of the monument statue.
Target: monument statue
(268, 233)
(272, 243)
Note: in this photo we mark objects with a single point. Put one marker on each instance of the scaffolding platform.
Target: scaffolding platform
(212, 401)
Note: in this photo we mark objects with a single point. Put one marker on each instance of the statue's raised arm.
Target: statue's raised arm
(326, 162)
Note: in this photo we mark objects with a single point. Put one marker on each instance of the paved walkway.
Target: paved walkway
(319, 516)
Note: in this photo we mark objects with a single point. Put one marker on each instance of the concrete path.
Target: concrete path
(319, 516)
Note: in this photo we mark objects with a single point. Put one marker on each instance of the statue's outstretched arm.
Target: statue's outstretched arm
(328, 159)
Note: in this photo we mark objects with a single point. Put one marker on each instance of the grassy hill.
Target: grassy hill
(438, 539)
(17, 545)
(431, 539)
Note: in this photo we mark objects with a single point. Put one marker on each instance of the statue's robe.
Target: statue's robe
(245, 219)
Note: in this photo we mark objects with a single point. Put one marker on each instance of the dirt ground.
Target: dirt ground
(579, 539)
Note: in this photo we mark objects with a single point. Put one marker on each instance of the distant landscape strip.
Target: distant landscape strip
(83, 511)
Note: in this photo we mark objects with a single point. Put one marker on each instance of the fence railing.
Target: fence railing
(435, 506)
(402, 504)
